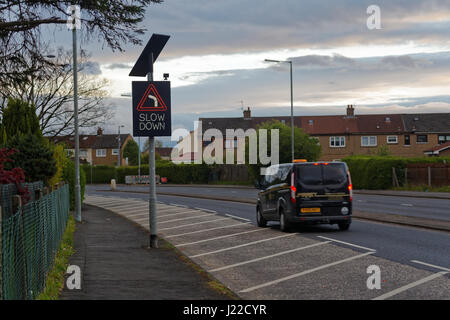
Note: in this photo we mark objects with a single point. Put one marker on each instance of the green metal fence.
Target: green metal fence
(29, 240)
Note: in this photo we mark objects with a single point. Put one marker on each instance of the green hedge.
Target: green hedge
(175, 173)
(375, 172)
(68, 175)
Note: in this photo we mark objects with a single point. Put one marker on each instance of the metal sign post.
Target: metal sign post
(151, 116)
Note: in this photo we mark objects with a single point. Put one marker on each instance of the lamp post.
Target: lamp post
(118, 138)
(292, 104)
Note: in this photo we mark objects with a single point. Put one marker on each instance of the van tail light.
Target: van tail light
(350, 186)
(293, 188)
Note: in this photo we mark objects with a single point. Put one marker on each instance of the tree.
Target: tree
(158, 144)
(131, 151)
(305, 147)
(51, 91)
(114, 22)
(19, 118)
(34, 156)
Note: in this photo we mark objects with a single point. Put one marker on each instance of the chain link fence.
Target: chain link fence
(29, 239)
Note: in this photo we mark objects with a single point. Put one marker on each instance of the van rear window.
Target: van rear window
(330, 174)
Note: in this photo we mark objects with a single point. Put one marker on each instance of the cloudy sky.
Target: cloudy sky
(216, 53)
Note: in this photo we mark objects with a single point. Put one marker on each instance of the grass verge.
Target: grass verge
(55, 279)
(423, 188)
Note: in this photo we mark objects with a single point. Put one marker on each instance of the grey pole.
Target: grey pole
(292, 116)
(139, 160)
(75, 110)
(118, 156)
(152, 182)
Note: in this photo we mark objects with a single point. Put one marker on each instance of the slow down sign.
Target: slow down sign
(151, 108)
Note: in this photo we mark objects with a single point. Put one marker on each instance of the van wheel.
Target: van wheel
(284, 224)
(344, 226)
(260, 221)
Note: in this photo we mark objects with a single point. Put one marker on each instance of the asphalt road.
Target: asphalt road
(307, 263)
(396, 243)
(416, 207)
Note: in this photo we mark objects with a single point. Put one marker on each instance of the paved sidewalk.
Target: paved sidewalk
(115, 263)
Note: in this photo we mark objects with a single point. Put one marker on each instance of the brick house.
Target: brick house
(407, 135)
(101, 149)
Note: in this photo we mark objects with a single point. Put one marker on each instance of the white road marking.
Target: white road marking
(188, 218)
(409, 286)
(205, 230)
(430, 265)
(304, 272)
(178, 213)
(207, 210)
(406, 204)
(268, 257)
(220, 237)
(192, 224)
(236, 217)
(178, 205)
(137, 215)
(242, 245)
(347, 243)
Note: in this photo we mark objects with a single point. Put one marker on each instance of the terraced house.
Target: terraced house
(100, 149)
(407, 135)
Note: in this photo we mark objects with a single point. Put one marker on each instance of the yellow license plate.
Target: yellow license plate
(310, 210)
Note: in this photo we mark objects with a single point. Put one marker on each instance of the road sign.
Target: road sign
(151, 109)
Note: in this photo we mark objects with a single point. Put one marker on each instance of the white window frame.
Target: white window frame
(392, 142)
(115, 152)
(100, 153)
(334, 139)
(368, 141)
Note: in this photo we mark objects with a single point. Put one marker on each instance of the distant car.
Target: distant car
(307, 193)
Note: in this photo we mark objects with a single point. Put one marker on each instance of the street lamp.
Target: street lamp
(292, 104)
(118, 138)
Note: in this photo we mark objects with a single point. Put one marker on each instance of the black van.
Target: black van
(305, 192)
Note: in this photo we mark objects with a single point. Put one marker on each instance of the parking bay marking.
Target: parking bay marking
(241, 245)
(188, 218)
(296, 275)
(268, 257)
(409, 286)
(209, 229)
(430, 265)
(217, 238)
(236, 217)
(347, 243)
(192, 224)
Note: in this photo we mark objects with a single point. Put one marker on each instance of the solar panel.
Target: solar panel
(155, 45)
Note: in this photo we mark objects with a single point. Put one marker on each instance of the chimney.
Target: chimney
(247, 114)
(350, 111)
(99, 131)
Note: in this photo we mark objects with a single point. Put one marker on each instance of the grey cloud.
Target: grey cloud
(324, 61)
(118, 66)
(90, 68)
(403, 61)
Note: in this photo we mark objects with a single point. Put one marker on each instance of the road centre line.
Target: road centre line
(409, 286)
(430, 265)
(188, 218)
(406, 204)
(347, 243)
(296, 275)
(242, 245)
(236, 217)
(217, 238)
(205, 230)
(268, 257)
(192, 224)
(207, 210)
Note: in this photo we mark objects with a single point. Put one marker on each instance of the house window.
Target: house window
(70, 152)
(115, 152)
(368, 141)
(407, 140)
(443, 139)
(337, 142)
(100, 153)
(83, 153)
(422, 138)
(392, 139)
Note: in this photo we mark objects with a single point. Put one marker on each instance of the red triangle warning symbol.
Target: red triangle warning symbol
(151, 100)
